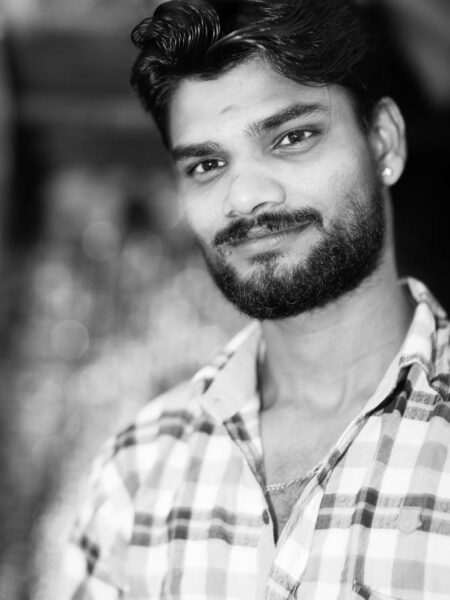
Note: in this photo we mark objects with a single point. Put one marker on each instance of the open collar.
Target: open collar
(231, 380)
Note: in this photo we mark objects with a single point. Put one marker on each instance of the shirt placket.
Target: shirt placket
(293, 548)
(289, 558)
(294, 544)
(250, 449)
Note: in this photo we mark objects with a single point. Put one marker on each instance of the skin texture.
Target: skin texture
(319, 162)
(250, 175)
(321, 366)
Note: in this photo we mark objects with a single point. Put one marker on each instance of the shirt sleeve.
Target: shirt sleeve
(94, 566)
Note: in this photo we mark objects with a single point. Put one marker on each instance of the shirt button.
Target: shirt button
(266, 517)
(410, 519)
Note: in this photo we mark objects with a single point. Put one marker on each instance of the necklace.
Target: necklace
(275, 488)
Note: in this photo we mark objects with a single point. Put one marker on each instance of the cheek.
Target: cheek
(200, 219)
(203, 212)
(339, 165)
(348, 175)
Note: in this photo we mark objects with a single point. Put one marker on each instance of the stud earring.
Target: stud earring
(386, 172)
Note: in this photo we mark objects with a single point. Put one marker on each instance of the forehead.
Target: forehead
(199, 109)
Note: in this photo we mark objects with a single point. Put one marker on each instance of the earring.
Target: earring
(386, 172)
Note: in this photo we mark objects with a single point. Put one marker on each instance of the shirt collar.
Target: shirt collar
(230, 381)
(426, 343)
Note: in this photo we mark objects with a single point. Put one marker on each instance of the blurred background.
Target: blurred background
(104, 301)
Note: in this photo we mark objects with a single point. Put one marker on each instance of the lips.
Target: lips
(266, 227)
(260, 241)
(264, 234)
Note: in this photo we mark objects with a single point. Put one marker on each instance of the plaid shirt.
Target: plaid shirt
(176, 506)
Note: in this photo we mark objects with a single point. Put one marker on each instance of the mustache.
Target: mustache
(268, 223)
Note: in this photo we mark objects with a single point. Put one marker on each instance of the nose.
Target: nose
(250, 193)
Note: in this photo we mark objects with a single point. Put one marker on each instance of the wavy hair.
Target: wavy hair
(312, 42)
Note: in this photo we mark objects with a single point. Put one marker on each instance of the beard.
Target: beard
(348, 253)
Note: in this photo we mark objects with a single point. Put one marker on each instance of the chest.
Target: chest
(291, 450)
(213, 540)
(282, 503)
(292, 446)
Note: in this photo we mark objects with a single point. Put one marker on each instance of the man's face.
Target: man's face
(279, 186)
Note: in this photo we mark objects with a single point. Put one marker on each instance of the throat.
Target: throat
(328, 361)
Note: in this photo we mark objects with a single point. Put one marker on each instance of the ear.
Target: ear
(388, 140)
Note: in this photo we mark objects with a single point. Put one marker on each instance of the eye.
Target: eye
(294, 138)
(206, 167)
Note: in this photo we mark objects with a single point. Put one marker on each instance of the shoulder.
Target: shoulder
(177, 406)
(167, 419)
(164, 431)
(135, 459)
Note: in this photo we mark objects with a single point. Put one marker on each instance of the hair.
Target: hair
(312, 42)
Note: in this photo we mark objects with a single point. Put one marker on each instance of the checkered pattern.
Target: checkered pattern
(176, 506)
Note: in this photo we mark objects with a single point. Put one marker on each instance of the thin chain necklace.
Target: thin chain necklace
(275, 488)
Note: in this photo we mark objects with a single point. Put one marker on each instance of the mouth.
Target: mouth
(260, 239)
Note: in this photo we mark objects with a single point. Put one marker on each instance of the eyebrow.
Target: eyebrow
(294, 111)
(179, 153)
(259, 127)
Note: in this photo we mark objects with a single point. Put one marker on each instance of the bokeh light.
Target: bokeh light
(69, 340)
(101, 241)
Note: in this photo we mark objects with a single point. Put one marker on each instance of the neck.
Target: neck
(331, 360)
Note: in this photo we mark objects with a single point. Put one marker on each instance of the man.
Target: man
(310, 459)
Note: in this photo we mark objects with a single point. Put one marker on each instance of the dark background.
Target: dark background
(104, 301)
